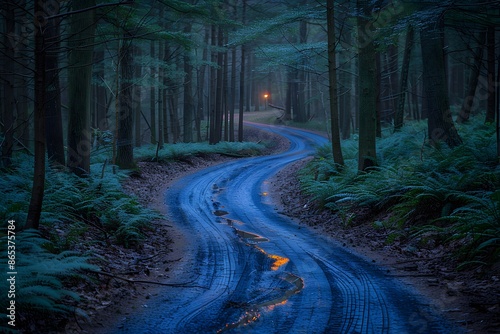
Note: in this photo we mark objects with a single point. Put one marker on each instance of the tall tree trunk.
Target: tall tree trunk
(490, 110)
(288, 96)
(137, 96)
(225, 87)
(255, 98)
(232, 95)
(82, 30)
(173, 103)
(299, 109)
(367, 155)
(200, 109)
(165, 111)
(232, 92)
(212, 85)
(497, 111)
(242, 90)
(345, 111)
(475, 72)
(414, 98)
(53, 117)
(168, 103)
(161, 101)
(242, 76)
(338, 158)
(294, 96)
(392, 67)
(403, 88)
(101, 101)
(23, 132)
(249, 77)
(37, 191)
(188, 93)
(380, 90)
(218, 111)
(8, 81)
(348, 81)
(161, 114)
(125, 148)
(24, 70)
(152, 93)
(174, 115)
(440, 122)
(354, 95)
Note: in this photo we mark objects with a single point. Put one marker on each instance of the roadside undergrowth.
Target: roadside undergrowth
(172, 152)
(430, 195)
(83, 222)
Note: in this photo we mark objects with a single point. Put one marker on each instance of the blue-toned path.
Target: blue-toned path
(255, 271)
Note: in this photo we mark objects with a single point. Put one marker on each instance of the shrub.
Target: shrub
(40, 286)
(447, 191)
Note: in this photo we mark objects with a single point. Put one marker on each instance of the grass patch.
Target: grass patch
(172, 152)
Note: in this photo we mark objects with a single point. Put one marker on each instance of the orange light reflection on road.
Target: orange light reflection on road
(278, 261)
(271, 307)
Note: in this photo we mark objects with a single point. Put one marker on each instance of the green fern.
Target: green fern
(41, 276)
(437, 191)
(479, 224)
(181, 150)
(98, 201)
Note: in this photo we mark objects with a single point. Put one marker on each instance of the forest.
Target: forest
(407, 93)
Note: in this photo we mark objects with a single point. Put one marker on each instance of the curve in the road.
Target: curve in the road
(255, 271)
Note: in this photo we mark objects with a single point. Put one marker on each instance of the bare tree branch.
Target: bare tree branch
(91, 8)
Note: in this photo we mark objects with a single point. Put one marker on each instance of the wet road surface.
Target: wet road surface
(252, 270)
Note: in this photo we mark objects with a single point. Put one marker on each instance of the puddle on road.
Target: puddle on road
(297, 285)
(220, 213)
(278, 261)
(253, 312)
(252, 237)
(216, 188)
(265, 193)
(218, 209)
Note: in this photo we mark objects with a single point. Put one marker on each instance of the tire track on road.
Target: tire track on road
(237, 235)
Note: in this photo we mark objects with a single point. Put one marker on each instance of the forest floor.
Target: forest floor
(469, 298)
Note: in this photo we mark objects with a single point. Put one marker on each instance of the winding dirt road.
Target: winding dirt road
(253, 270)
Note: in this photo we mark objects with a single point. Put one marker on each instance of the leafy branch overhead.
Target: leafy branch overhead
(265, 29)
